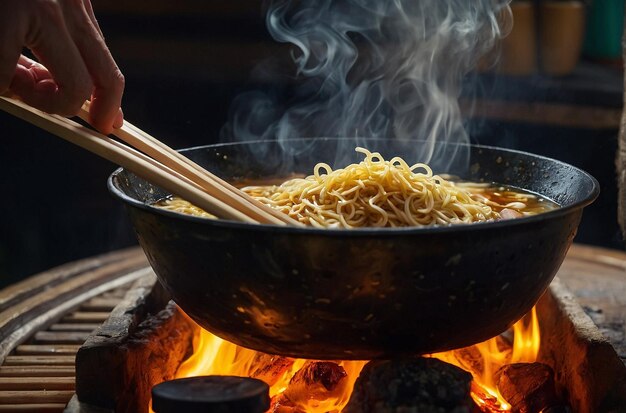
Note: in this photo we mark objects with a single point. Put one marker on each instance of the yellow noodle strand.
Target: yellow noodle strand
(380, 193)
(390, 193)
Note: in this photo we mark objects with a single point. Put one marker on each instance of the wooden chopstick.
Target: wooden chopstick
(129, 158)
(211, 183)
(216, 180)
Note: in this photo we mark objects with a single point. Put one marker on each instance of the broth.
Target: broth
(500, 198)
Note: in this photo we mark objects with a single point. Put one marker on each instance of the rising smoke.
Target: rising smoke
(373, 68)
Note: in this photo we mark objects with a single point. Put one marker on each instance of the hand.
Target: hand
(75, 62)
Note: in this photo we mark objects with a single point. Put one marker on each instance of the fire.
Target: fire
(215, 356)
(526, 339)
(484, 359)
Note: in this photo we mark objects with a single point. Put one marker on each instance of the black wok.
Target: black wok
(358, 294)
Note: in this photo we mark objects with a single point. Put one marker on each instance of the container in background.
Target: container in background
(519, 49)
(605, 25)
(562, 29)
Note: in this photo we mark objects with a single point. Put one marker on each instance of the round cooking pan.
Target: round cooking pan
(366, 293)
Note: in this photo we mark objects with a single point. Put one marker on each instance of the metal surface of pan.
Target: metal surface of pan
(358, 294)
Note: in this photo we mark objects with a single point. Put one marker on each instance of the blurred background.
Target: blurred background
(557, 90)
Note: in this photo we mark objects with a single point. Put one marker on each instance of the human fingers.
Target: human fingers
(107, 78)
(37, 73)
(50, 41)
(31, 78)
(39, 70)
(119, 119)
(92, 16)
(30, 74)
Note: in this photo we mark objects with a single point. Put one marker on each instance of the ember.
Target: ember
(529, 387)
(310, 386)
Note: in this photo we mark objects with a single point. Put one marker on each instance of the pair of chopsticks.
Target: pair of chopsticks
(157, 163)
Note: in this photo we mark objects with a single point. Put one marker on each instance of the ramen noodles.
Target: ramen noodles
(384, 193)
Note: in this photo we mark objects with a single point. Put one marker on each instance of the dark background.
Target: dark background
(184, 63)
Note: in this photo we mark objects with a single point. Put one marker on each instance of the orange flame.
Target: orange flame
(215, 356)
(527, 339)
(494, 354)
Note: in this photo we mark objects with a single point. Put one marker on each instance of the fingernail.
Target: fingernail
(119, 119)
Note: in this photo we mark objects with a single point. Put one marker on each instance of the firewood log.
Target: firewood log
(317, 380)
(528, 387)
(281, 404)
(270, 368)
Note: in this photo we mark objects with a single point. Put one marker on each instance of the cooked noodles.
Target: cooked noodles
(380, 193)
(184, 207)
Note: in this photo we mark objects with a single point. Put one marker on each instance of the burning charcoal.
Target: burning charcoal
(318, 380)
(270, 368)
(528, 387)
(411, 385)
(281, 404)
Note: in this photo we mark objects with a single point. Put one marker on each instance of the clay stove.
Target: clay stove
(148, 340)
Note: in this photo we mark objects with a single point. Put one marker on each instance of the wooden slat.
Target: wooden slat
(35, 396)
(44, 349)
(37, 383)
(100, 304)
(32, 408)
(21, 333)
(86, 317)
(118, 293)
(37, 371)
(39, 375)
(56, 360)
(88, 327)
(61, 337)
(33, 285)
(27, 316)
(48, 298)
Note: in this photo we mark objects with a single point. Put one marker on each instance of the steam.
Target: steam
(373, 68)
